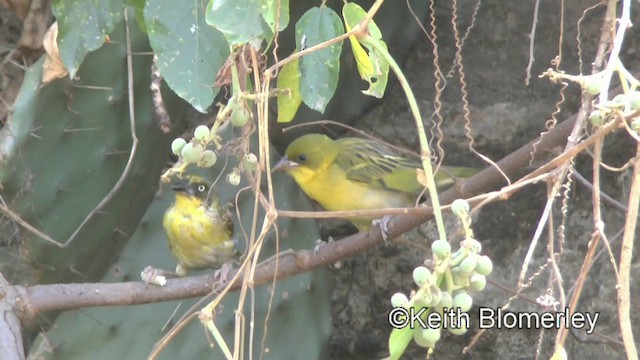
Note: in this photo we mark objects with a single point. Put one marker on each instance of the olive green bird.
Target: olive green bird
(199, 231)
(357, 174)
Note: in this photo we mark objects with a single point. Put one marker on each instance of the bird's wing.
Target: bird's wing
(374, 163)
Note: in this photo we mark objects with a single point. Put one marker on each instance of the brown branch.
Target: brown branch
(42, 298)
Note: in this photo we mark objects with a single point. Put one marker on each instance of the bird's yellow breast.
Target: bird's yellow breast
(197, 234)
(331, 188)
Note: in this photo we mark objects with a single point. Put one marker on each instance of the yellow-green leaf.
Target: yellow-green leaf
(288, 104)
(362, 58)
(373, 67)
(399, 339)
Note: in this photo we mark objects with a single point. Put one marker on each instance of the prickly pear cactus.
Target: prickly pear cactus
(299, 311)
(63, 150)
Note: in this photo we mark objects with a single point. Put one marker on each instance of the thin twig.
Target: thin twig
(532, 38)
(15, 217)
(615, 203)
(626, 255)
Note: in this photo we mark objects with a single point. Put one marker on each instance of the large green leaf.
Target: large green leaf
(138, 7)
(189, 51)
(276, 9)
(239, 20)
(82, 27)
(319, 70)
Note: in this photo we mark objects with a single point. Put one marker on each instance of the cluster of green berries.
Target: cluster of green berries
(454, 276)
(196, 152)
(593, 85)
(630, 101)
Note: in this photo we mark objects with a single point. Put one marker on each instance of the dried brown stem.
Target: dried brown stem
(626, 253)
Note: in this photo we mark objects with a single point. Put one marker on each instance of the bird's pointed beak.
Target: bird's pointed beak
(180, 185)
(284, 164)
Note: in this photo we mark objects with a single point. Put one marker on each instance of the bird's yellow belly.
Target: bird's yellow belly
(334, 192)
(197, 238)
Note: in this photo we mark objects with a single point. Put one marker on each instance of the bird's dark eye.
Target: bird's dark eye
(201, 188)
(302, 157)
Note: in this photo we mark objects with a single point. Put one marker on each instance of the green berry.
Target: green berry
(250, 162)
(201, 133)
(634, 100)
(208, 159)
(441, 249)
(485, 265)
(460, 329)
(468, 265)
(446, 301)
(592, 84)
(597, 118)
(399, 300)
(619, 101)
(177, 144)
(463, 301)
(477, 282)
(421, 276)
(239, 117)
(191, 153)
(233, 178)
(460, 207)
(420, 339)
(431, 335)
(474, 245)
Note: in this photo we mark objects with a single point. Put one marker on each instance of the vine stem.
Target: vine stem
(425, 152)
(626, 253)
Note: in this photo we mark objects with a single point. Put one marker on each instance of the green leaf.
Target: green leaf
(272, 8)
(320, 69)
(289, 78)
(239, 20)
(373, 67)
(398, 341)
(189, 51)
(83, 27)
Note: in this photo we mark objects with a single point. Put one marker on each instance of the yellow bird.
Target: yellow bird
(357, 174)
(200, 233)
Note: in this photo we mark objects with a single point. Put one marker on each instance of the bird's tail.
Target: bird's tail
(447, 175)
